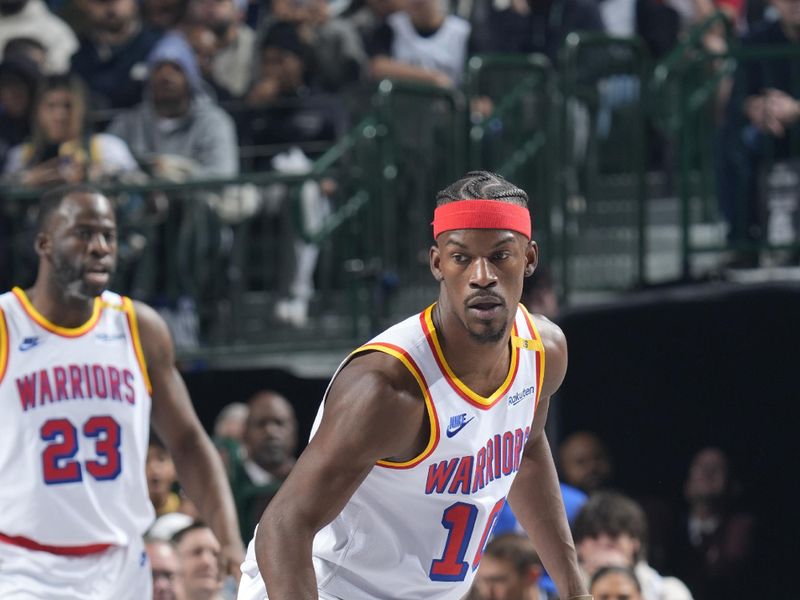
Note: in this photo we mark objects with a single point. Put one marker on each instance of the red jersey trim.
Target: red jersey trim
(458, 386)
(405, 358)
(23, 542)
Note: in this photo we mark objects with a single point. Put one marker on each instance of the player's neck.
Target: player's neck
(54, 305)
(482, 366)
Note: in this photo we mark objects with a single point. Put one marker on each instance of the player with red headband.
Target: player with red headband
(427, 430)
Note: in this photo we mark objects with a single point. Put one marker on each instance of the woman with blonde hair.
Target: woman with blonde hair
(61, 148)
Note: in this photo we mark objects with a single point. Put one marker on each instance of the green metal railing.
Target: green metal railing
(601, 145)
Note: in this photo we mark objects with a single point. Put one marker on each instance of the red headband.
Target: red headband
(481, 214)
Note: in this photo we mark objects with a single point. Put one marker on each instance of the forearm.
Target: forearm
(383, 67)
(283, 552)
(202, 474)
(536, 500)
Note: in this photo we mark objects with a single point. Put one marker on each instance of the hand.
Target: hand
(755, 107)
(441, 79)
(231, 558)
(263, 92)
(782, 106)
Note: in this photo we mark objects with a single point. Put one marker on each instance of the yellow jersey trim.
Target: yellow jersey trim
(137, 342)
(42, 321)
(464, 390)
(3, 345)
(409, 363)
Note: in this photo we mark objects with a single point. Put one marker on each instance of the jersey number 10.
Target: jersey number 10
(57, 463)
(459, 520)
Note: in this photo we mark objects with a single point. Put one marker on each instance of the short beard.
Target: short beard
(487, 337)
(70, 280)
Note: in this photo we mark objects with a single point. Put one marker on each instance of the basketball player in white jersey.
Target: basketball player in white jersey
(82, 370)
(424, 429)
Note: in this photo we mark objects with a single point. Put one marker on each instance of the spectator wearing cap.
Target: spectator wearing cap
(232, 65)
(337, 49)
(286, 105)
(113, 52)
(178, 130)
(32, 18)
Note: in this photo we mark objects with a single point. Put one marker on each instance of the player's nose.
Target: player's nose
(482, 273)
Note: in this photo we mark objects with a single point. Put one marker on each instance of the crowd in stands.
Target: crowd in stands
(124, 89)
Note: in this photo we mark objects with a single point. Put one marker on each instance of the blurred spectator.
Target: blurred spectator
(615, 583)
(28, 49)
(232, 65)
(32, 19)
(163, 15)
(204, 45)
(337, 49)
(716, 540)
(761, 126)
(270, 441)
(161, 478)
(285, 108)
(199, 555)
(539, 294)
(18, 82)
(524, 26)
(113, 51)
(421, 43)
(228, 433)
(60, 149)
(611, 530)
(165, 565)
(510, 570)
(584, 462)
(231, 421)
(178, 131)
(368, 17)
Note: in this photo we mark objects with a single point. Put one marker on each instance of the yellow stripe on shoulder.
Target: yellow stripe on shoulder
(526, 344)
(3, 345)
(137, 342)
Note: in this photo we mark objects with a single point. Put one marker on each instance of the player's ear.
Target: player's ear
(42, 243)
(532, 257)
(435, 262)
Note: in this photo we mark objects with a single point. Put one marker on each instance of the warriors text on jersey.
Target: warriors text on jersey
(418, 529)
(74, 432)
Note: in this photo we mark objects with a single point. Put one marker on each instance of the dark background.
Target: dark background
(658, 376)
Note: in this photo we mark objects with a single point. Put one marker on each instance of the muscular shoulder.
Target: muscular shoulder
(377, 400)
(381, 373)
(555, 351)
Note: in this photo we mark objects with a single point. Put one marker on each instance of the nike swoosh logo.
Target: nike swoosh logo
(28, 344)
(451, 432)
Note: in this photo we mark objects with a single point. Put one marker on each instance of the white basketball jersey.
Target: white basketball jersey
(418, 529)
(75, 426)
(445, 50)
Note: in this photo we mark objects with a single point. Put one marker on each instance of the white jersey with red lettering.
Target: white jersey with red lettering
(74, 428)
(418, 529)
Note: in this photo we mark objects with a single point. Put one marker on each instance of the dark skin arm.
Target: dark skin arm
(374, 411)
(200, 469)
(535, 496)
